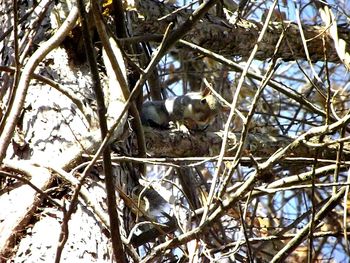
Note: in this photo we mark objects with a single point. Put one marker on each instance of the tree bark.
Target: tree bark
(237, 39)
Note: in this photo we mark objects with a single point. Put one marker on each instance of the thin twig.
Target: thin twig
(110, 46)
(24, 81)
(60, 88)
(178, 10)
(28, 182)
(292, 244)
(111, 198)
(345, 215)
(232, 113)
(272, 83)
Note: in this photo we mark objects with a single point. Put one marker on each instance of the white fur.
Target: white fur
(169, 105)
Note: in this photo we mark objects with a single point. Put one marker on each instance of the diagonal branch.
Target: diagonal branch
(33, 62)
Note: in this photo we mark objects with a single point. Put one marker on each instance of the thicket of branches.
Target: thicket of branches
(268, 181)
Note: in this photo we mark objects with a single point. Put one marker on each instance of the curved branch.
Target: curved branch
(33, 62)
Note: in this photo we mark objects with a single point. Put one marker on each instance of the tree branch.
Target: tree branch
(219, 35)
(170, 143)
(33, 62)
(109, 180)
